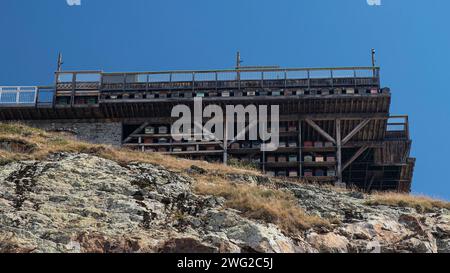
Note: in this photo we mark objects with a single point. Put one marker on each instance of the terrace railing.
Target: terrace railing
(215, 79)
(18, 95)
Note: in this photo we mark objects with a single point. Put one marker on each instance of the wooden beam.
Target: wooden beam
(300, 152)
(225, 142)
(145, 124)
(339, 150)
(320, 130)
(355, 131)
(355, 156)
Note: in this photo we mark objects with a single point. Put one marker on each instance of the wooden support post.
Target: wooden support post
(320, 130)
(264, 161)
(355, 131)
(300, 154)
(225, 142)
(72, 94)
(339, 150)
(355, 156)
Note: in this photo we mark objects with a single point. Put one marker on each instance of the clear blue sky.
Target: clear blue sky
(411, 37)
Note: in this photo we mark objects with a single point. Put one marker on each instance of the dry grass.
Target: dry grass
(47, 143)
(421, 203)
(262, 203)
(257, 202)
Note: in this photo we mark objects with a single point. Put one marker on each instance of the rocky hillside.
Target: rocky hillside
(60, 195)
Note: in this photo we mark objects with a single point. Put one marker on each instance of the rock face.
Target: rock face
(83, 203)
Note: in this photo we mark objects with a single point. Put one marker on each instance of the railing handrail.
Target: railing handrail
(350, 68)
(17, 91)
(241, 70)
(17, 88)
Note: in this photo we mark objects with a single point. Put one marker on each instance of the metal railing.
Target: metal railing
(214, 79)
(18, 95)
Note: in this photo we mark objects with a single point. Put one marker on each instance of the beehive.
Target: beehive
(148, 140)
(308, 144)
(308, 173)
(320, 158)
(293, 174)
(331, 173)
(271, 159)
(308, 158)
(163, 130)
(163, 140)
(331, 159)
(246, 145)
(238, 93)
(256, 145)
(235, 146)
(318, 144)
(149, 130)
(282, 159)
(328, 144)
(320, 172)
(292, 158)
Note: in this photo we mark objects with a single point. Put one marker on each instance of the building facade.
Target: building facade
(334, 123)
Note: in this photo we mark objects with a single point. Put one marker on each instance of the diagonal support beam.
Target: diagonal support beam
(355, 131)
(320, 130)
(136, 131)
(355, 156)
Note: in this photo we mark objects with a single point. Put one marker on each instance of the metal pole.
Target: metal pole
(373, 62)
(60, 62)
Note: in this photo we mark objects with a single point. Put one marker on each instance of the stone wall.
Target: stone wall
(98, 132)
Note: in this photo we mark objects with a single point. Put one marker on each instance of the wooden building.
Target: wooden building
(335, 123)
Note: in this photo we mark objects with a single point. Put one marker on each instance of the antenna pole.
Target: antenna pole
(60, 62)
(373, 62)
(238, 65)
(373, 57)
(238, 60)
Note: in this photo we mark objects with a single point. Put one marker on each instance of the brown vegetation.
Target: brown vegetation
(259, 202)
(421, 203)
